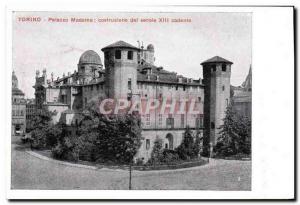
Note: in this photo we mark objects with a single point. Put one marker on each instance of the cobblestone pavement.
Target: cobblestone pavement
(29, 172)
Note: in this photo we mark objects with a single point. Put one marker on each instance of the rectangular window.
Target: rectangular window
(118, 54)
(129, 55)
(148, 119)
(226, 102)
(147, 144)
(201, 122)
(160, 119)
(182, 120)
(129, 83)
(92, 88)
(223, 87)
(223, 67)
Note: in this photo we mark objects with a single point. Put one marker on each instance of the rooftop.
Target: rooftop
(216, 59)
(120, 44)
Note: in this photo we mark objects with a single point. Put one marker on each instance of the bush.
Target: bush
(170, 157)
(189, 148)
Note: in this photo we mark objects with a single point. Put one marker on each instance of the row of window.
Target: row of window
(17, 113)
(92, 87)
(118, 54)
(170, 120)
(177, 87)
(214, 67)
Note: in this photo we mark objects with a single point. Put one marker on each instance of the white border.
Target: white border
(273, 156)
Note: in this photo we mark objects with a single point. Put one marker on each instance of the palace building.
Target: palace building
(130, 73)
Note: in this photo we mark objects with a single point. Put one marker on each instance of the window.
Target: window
(147, 144)
(129, 83)
(160, 119)
(223, 67)
(212, 125)
(199, 99)
(118, 54)
(223, 87)
(182, 120)
(148, 119)
(129, 55)
(85, 100)
(226, 102)
(201, 121)
(214, 68)
(166, 146)
(92, 88)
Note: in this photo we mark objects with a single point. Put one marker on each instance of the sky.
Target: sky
(179, 47)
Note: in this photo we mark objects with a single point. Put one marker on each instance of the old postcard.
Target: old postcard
(126, 100)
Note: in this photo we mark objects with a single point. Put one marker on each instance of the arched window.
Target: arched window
(129, 55)
(118, 54)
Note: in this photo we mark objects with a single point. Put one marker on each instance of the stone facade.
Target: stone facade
(130, 74)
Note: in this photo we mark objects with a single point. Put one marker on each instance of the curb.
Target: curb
(60, 162)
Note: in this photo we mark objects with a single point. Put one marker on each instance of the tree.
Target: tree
(235, 134)
(41, 125)
(186, 149)
(157, 152)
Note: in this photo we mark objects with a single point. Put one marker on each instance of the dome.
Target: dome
(90, 57)
(150, 47)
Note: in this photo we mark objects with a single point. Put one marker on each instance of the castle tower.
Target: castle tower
(216, 76)
(120, 59)
(88, 66)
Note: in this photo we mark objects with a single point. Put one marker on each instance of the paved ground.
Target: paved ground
(29, 172)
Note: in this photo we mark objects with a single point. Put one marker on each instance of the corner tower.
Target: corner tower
(120, 60)
(216, 76)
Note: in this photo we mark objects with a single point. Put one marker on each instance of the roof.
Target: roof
(164, 76)
(216, 59)
(119, 44)
(90, 57)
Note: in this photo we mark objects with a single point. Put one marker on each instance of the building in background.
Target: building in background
(242, 97)
(30, 112)
(18, 108)
(130, 73)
